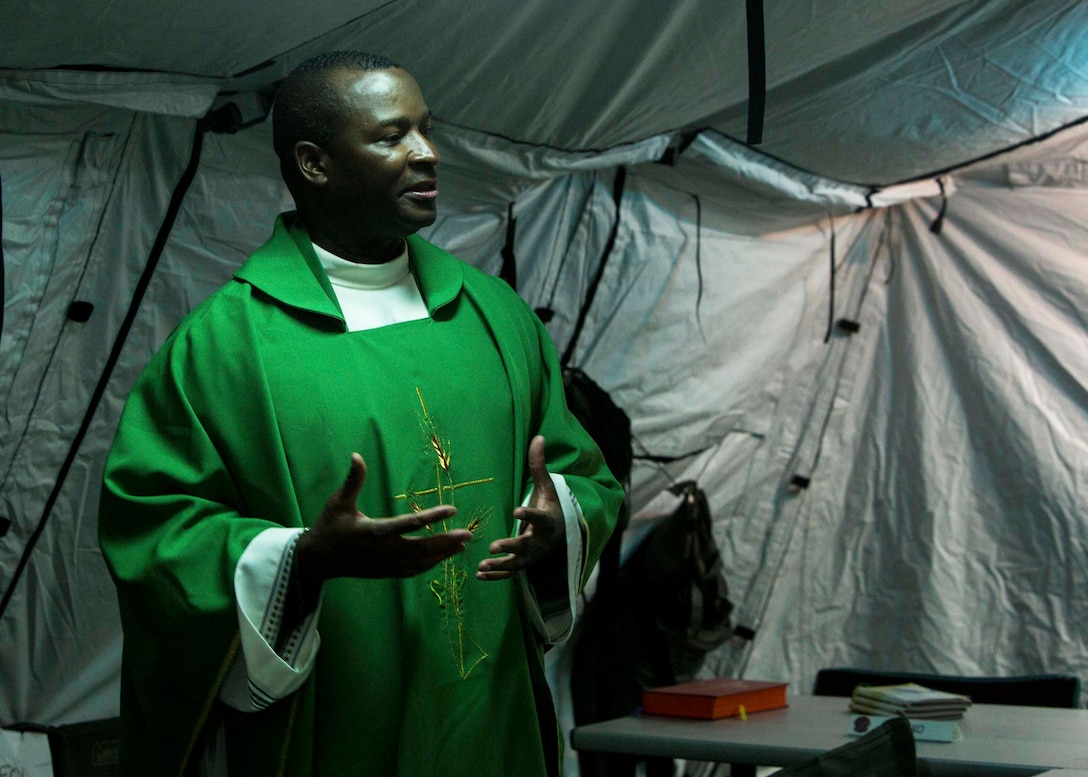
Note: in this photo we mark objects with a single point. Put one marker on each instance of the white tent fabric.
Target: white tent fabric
(947, 497)
(939, 82)
(143, 92)
(943, 444)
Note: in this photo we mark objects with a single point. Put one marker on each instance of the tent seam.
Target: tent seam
(142, 284)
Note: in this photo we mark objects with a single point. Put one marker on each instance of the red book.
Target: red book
(721, 697)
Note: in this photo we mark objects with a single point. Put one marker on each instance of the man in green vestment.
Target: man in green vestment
(283, 619)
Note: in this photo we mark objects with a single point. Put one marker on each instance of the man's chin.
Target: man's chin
(419, 220)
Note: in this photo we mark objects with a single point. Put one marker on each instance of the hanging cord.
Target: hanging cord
(938, 223)
(831, 292)
(617, 197)
(115, 354)
(3, 269)
(547, 312)
(5, 522)
(660, 463)
(699, 264)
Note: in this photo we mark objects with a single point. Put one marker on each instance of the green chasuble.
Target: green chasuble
(246, 420)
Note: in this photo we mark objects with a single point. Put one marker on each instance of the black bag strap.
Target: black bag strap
(617, 197)
(509, 270)
(610, 427)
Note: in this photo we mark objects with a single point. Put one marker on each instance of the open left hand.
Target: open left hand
(543, 536)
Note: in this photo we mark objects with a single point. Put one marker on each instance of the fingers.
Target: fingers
(422, 553)
(500, 568)
(518, 546)
(544, 494)
(538, 469)
(359, 546)
(542, 524)
(403, 524)
(348, 495)
(537, 518)
(518, 553)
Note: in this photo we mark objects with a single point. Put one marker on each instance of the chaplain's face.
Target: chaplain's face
(381, 165)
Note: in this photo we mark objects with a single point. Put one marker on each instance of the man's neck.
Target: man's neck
(375, 251)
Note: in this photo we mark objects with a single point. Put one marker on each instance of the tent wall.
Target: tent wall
(81, 203)
(944, 529)
(942, 443)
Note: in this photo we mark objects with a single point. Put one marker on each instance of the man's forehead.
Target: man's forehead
(377, 88)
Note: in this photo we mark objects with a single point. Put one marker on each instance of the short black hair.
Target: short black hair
(307, 107)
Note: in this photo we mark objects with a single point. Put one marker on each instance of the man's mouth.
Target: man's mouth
(425, 190)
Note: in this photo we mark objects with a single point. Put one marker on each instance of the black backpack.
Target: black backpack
(653, 626)
(605, 421)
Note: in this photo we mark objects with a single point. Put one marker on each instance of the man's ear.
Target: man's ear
(310, 159)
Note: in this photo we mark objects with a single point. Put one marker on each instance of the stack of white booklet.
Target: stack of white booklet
(910, 701)
(932, 714)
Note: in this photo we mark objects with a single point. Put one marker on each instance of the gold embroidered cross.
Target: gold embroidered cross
(449, 590)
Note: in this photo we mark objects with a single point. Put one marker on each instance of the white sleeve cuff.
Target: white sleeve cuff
(554, 620)
(259, 675)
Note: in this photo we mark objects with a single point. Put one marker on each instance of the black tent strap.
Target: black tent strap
(831, 290)
(658, 459)
(744, 632)
(547, 312)
(617, 197)
(111, 362)
(509, 270)
(757, 71)
(938, 222)
(3, 270)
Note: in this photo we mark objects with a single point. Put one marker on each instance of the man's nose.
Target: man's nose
(423, 149)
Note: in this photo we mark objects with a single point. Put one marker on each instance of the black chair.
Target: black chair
(1040, 690)
(886, 751)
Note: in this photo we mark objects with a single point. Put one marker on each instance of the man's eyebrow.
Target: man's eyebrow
(405, 121)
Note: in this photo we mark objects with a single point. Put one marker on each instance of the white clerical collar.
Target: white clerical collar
(354, 275)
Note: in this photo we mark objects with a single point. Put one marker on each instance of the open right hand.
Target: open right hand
(345, 543)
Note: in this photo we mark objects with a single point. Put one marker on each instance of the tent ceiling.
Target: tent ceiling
(861, 91)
